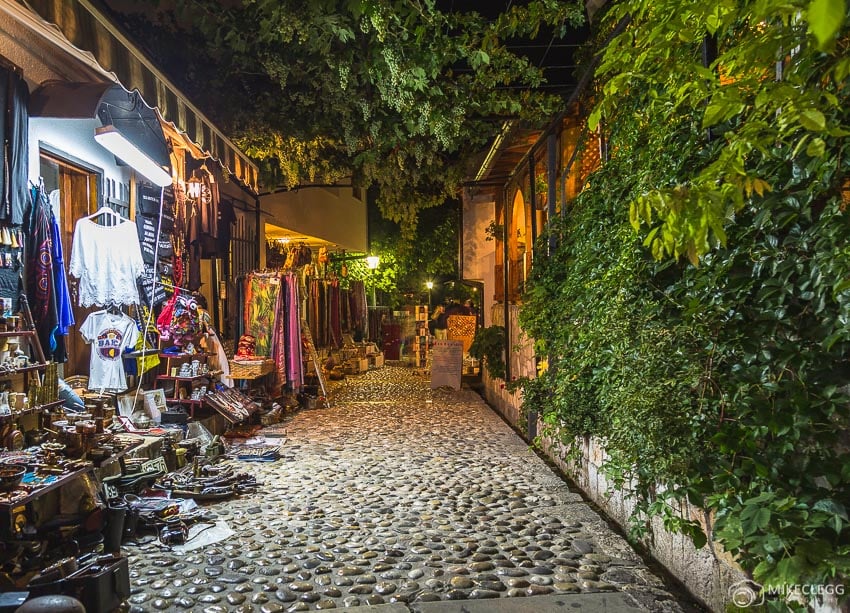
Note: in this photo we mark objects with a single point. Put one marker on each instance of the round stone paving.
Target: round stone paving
(397, 493)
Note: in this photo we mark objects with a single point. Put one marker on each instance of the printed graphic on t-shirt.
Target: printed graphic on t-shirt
(109, 343)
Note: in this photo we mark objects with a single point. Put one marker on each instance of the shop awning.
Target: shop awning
(92, 33)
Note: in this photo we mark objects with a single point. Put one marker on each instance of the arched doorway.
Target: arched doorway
(519, 247)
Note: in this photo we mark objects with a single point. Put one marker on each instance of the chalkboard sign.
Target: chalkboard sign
(310, 350)
(446, 364)
(151, 289)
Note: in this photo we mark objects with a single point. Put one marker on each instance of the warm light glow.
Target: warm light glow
(372, 261)
(429, 284)
(127, 152)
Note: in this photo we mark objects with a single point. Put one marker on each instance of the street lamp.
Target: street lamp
(372, 262)
(430, 286)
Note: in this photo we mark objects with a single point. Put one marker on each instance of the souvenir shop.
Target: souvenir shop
(121, 411)
(322, 298)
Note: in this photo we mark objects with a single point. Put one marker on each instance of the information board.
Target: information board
(446, 364)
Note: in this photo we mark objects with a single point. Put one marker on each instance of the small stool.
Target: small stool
(52, 604)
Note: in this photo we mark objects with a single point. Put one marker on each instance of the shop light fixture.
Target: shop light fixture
(372, 262)
(115, 142)
(193, 187)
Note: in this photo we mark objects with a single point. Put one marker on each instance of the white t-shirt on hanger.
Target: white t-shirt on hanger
(107, 260)
(108, 334)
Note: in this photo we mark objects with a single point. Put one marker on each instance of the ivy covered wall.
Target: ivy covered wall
(695, 315)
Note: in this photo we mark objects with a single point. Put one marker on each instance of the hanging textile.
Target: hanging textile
(107, 260)
(14, 128)
(332, 310)
(333, 314)
(65, 312)
(279, 330)
(147, 342)
(261, 293)
(40, 287)
(271, 315)
(295, 366)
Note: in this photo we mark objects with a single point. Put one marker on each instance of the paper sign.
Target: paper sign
(446, 364)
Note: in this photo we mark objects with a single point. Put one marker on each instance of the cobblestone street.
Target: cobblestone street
(398, 494)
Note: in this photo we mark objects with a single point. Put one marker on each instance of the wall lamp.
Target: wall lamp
(115, 142)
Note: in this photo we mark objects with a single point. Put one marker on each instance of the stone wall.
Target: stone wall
(706, 573)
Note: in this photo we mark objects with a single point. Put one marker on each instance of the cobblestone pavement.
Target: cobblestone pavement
(396, 494)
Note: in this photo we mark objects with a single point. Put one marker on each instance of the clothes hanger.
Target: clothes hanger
(110, 214)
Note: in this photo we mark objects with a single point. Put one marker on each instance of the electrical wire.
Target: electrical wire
(153, 284)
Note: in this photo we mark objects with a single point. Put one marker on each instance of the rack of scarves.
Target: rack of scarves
(271, 314)
(333, 310)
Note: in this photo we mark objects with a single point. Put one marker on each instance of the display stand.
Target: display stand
(421, 340)
(310, 352)
(187, 384)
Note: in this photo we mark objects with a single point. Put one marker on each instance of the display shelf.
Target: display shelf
(30, 411)
(9, 374)
(13, 333)
(190, 401)
(60, 481)
(180, 356)
(195, 378)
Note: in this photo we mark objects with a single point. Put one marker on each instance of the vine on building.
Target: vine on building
(694, 314)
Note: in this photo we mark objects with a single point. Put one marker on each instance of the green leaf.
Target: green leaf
(762, 519)
(816, 148)
(825, 20)
(813, 120)
(832, 507)
(699, 538)
(593, 119)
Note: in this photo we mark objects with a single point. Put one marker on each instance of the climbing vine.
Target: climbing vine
(695, 312)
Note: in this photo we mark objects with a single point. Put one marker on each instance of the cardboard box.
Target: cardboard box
(356, 366)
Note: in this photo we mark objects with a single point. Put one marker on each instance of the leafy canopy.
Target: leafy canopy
(393, 93)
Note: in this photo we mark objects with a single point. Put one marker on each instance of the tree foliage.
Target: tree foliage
(396, 94)
(722, 382)
(738, 99)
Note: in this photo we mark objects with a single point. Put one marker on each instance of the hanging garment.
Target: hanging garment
(333, 314)
(109, 335)
(107, 260)
(185, 324)
(147, 342)
(261, 301)
(295, 364)
(279, 332)
(64, 309)
(14, 129)
(39, 268)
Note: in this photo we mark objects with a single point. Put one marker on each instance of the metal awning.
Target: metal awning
(93, 34)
